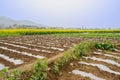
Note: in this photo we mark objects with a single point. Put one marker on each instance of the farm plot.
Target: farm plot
(99, 65)
(17, 51)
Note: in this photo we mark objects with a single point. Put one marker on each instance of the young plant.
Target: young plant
(105, 46)
(75, 52)
(82, 48)
(4, 73)
(40, 70)
(62, 62)
(56, 68)
(15, 75)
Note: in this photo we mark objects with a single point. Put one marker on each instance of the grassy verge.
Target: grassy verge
(90, 35)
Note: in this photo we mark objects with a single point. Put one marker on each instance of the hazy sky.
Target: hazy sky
(70, 13)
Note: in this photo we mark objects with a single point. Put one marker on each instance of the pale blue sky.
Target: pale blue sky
(70, 13)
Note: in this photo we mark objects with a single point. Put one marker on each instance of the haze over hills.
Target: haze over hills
(6, 22)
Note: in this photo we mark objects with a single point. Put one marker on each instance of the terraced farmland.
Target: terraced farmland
(17, 51)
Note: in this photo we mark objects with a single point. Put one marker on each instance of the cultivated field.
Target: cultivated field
(70, 54)
(16, 51)
(99, 65)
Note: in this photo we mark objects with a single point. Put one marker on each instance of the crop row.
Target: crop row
(9, 32)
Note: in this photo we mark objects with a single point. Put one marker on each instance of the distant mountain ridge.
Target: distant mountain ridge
(6, 22)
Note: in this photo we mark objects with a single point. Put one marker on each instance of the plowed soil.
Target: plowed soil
(46, 46)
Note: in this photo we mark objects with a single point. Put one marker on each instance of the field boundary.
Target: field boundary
(29, 66)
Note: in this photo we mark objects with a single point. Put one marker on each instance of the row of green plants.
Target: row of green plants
(15, 74)
(17, 32)
(90, 35)
(80, 50)
(39, 72)
(74, 53)
(105, 46)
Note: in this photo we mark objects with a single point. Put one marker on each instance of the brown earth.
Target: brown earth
(68, 75)
(35, 42)
(59, 42)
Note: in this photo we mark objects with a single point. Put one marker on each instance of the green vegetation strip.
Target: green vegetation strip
(90, 35)
(74, 53)
(60, 32)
